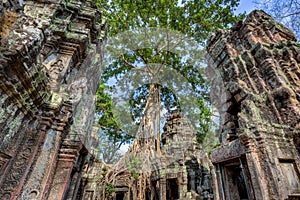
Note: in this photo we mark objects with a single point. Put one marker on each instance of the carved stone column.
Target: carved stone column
(162, 188)
(67, 167)
(181, 185)
(20, 166)
(42, 171)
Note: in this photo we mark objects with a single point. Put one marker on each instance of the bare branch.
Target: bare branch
(288, 15)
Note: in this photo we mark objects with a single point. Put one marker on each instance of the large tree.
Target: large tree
(284, 11)
(192, 20)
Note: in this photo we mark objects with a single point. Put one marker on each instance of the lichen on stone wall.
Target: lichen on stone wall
(14, 125)
(42, 54)
(56, 100)
(259, 78)
(3, 98)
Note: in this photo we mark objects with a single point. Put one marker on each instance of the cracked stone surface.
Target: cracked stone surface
(49, 70)
(254, 71)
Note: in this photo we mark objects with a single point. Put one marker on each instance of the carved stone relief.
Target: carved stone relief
(263, 113)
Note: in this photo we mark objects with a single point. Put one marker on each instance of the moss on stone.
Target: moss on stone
(56, 100)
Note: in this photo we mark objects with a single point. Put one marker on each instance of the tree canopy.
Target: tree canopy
(197, 18)
(194, 20)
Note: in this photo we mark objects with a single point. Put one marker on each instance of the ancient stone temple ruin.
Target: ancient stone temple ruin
(255, 75)
(50, 55)
(187, 167)
(49, 70)
(179, 169)
(255, 70)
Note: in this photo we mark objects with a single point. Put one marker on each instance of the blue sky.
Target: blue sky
(245, 5)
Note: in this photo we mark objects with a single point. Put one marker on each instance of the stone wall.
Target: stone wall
(49, 71)
(50, 55)
(255, 72)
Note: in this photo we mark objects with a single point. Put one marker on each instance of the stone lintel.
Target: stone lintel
(123, 189)
(229, 151)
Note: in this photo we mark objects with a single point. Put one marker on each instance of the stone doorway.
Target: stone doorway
(120, 196)
(291, 175)
(121, 193)
(172, 189)
(236, 180)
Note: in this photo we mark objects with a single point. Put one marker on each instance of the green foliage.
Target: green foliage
(134, 165)
(106, 119)
(104, 171)
(109, 189)
(194, 18)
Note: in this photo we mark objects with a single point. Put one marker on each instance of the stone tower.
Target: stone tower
(186, 164)
(255, 72)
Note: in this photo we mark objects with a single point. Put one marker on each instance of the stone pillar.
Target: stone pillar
(74, 185)
(217, 182)
(181, 185)
(77, 174)
(184, 188)
(258, 182)
(66, 162)
(163, 188)
(192, 175)
(20, 165)
(41, 175)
